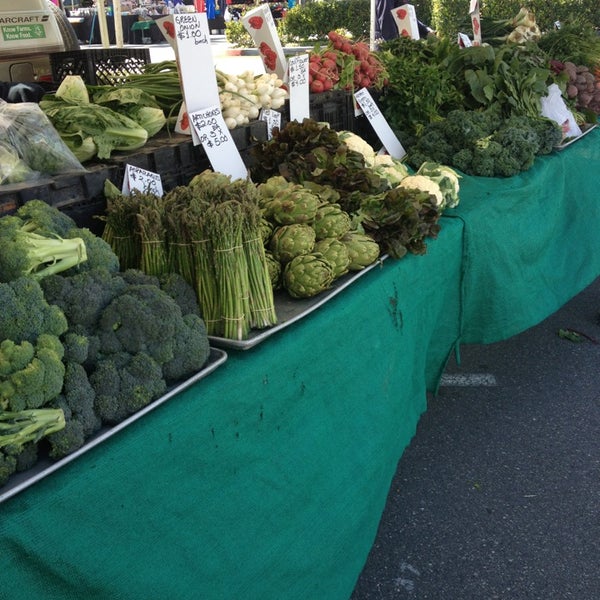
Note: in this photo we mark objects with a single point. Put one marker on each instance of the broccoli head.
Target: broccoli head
(26, 313)
(8, 466)
(40, 217)
(124, 383)
(191, 349)
(143, 318)
(19, 433)
(99, 253)
(24, 252)
(77, 403)
(31, 375)
(83, 296)
(182, 292)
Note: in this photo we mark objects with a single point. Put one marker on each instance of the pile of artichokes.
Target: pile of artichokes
(309, 238)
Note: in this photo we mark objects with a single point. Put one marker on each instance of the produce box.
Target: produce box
(246, 137)
(80, 195)
(334, 107)
(173, 156)
(99, 66)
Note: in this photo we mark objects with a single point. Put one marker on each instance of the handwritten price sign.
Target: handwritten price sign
(141, 180)
(379, 123)
(298, 86)
(209, 125)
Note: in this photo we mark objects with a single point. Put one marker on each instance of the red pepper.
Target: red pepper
(255, 22)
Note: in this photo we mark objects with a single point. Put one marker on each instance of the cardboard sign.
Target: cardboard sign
(464, 41)
(195, 62)
(272, 119)
(405, 17)
(167, 28)
(141, 180)
(259, 23)
(379, 123)
(209, 125)
(298, 88)
(476, 22)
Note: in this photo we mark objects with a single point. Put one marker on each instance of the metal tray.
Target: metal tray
(585, 129)
(289, 310)
(44, 467)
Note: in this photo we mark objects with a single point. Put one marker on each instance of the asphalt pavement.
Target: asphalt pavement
(497, 496)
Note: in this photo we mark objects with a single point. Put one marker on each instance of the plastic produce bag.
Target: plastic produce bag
(12, 168)
(554, 107)
(29, 131)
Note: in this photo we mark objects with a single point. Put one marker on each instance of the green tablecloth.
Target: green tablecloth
(532, 241)
(267, 479)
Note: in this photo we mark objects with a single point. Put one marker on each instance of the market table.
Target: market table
(267, 479)
(532, 241)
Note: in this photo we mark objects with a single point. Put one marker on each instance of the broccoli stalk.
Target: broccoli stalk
(21, 427)
(25, 252)
(48, 256)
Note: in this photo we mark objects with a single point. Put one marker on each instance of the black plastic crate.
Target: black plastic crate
(80, 195)
(173, 156)
(99, 66)
(334, 107)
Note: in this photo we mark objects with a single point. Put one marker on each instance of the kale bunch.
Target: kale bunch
(485, 144)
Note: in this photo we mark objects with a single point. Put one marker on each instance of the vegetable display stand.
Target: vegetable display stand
(99, 66)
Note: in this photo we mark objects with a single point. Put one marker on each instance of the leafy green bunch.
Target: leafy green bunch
(312, 152)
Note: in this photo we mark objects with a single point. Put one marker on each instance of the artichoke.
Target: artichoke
(289, 241)
(307, 275)
(363, 250)
(294, 204)
(274, 268)
(266, 230)
(335, 252)
(331, 221)
(326, 193)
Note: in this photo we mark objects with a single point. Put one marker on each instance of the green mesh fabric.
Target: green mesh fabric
(531, 241)
(267, 479)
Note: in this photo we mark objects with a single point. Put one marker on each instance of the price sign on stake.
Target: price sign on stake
(379, 123)
(272, 118)
(259, 23)
(195, 63)
(476, 22)
(298, 87)
(219, 146)
(141, 180)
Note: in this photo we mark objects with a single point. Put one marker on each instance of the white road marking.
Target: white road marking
(468, 379)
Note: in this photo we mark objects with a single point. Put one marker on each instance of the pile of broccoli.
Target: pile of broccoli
(484, 143)
(89, 342)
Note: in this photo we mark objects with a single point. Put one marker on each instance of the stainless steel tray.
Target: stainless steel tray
(44, 467)
(584, 131)
(289, 310)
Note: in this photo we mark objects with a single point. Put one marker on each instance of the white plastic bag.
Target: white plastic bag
(554, 107)
(28, 130)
